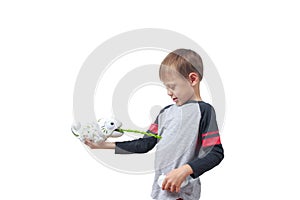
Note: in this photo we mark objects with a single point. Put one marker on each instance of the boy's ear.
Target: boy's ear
(193, 78)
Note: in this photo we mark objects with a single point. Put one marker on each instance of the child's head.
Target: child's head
(181, 72)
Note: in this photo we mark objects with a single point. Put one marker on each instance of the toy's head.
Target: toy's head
(109, 125)
(98, 131)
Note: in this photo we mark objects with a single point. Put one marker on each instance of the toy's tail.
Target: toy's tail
(136, 131)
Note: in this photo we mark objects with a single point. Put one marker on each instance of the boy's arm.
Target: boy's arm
(101, 145)
(212, 157)
(142, 145)
(210, 151)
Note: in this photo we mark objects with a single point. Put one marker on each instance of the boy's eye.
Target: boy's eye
(172, 87)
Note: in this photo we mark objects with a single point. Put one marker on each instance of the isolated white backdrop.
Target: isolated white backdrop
(254, 45)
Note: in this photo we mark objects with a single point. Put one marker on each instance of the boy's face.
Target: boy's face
(179, 88)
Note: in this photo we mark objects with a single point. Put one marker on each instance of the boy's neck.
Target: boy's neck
(197, 96)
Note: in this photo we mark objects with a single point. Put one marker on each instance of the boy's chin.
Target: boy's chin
(178, 103)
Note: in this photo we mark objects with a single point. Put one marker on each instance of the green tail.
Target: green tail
(141, 132)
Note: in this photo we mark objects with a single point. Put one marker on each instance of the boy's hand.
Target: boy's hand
(92, 145)
(99, 145)
(174, 179)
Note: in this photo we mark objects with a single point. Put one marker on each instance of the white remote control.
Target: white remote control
(162, 177)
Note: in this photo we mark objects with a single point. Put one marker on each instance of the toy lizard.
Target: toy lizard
(102, 129)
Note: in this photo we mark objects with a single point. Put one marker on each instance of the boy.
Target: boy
(190, 143)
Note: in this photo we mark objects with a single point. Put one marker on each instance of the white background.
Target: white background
(254, 44)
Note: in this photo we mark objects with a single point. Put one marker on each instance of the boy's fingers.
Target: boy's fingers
(173, 188)
(177, 189)
(89, 143)
(168, 186)
(164, 185)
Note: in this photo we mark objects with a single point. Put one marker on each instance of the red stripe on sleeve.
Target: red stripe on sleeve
(211, 141)
(209, 133)
(153, 128)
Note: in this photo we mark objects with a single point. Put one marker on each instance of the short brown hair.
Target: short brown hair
(184, 61)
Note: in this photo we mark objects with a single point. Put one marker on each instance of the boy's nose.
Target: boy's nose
(169, 92)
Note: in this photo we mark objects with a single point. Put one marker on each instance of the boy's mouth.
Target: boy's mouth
(175, 99)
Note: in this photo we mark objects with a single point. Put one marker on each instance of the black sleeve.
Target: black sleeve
(142, 145)
(210, 151)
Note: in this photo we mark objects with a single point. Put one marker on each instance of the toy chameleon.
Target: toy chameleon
(103, 129)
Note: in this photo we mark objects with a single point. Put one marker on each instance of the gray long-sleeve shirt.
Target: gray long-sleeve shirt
(189, 136)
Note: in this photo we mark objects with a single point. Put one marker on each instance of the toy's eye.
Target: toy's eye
(110, 125)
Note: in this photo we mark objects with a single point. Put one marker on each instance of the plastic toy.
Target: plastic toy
(97, 131)
(103, 129)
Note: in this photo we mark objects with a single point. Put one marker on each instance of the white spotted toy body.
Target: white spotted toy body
(97, 131)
